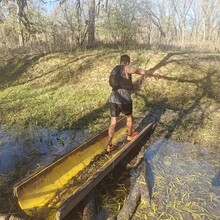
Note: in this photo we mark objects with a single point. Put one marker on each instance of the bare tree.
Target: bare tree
(75, 23)
(91, 22)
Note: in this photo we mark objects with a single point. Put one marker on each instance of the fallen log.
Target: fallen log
(89, 210)
(139, 191)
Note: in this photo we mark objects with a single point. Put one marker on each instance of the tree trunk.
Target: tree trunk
(20, 34)
(91, 24)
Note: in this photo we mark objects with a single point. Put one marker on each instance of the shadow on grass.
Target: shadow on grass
(15, 67)
(205, 89)
(93, 115)
(204, 85)
(90, 118)
(90, 60)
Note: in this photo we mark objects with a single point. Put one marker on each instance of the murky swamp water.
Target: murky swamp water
(184, 181)
(23, 152)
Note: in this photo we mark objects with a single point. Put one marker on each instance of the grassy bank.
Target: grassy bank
(56, 90)
(188, 95)
(71, 91)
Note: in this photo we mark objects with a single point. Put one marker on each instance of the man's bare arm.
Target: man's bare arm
(134, 70)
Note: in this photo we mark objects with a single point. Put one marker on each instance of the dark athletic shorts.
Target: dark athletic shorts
(116, 109)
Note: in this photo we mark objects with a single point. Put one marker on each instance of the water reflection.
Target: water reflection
(216, 180)
(24, 152)
(36, 146)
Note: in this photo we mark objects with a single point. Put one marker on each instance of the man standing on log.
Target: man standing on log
(120, 99)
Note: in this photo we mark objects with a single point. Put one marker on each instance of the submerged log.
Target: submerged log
(89, 210)
(139, 191)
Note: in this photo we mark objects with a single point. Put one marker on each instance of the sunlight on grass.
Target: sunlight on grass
(71, 90)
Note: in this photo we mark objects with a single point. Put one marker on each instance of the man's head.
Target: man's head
(125, 59)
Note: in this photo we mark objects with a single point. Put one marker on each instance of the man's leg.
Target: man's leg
(127, 110)
(129, 124)
(111, 129)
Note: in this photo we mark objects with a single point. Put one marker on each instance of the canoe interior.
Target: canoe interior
(38, 194)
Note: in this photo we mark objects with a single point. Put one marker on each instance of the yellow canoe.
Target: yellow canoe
(52, 192)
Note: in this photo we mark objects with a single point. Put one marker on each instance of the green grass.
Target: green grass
(71, 90)
(189, 94)
(58, 90)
